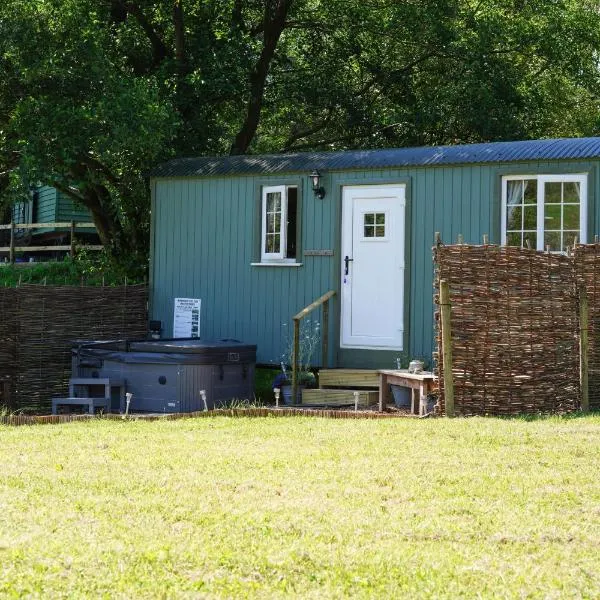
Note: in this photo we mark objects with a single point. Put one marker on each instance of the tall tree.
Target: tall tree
(92, 94)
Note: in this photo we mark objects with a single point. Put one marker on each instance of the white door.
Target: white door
(373, 234)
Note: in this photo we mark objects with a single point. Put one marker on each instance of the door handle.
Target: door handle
(347, 260)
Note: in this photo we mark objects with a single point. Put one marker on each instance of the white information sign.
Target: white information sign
(186, 318)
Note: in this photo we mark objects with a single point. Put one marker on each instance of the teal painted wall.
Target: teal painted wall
(55, 207)
(45, 210)
(205, 235)
(69, 210)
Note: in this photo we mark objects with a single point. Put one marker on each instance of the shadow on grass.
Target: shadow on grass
(546, 416)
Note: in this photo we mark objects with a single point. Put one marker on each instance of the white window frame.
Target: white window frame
(275, 257)
(580, 178)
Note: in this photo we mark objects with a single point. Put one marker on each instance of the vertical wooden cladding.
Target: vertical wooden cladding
(47, 205)
(204, 241)
(206, 235)
(68, 210)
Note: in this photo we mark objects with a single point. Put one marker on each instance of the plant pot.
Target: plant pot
(401, 395)
(286, 395)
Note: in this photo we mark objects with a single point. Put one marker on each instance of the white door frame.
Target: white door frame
(395, 194)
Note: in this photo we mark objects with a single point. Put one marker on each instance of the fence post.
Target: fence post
(583, 350)
(72, 250)
(447, 347)
(325, 358)
(12, 242)
(295, 353)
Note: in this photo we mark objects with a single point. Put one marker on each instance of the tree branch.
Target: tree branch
(237, 16)
(274, 20)
(179, 32)
(159, 50)
(95, 165)
(68, 191)
(294, 137)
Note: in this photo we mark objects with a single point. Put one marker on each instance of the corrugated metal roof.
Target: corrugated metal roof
(564, 148)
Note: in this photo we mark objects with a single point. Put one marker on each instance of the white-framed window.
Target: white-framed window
(279, 224)
(544, 211)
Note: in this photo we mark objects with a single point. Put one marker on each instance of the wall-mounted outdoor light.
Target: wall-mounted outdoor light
(318, 189)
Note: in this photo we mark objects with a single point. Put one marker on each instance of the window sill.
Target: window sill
(275, 264)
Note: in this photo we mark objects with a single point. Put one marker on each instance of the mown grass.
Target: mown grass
(302, 507)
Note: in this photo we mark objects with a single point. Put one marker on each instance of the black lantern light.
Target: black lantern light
(318, 189)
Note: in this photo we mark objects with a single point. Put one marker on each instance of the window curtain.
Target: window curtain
(514, 198)
(515, 191)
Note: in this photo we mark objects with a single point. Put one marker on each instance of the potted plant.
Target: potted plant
(310, 336)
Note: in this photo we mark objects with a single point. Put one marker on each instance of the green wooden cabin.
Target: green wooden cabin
(256, 239)
(48, 205)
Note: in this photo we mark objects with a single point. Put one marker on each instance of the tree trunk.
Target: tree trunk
(274, 24)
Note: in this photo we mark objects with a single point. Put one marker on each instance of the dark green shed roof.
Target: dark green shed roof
(564, 148)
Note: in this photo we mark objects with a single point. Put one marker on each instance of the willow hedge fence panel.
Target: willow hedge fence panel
(514, 329)
(38, 325)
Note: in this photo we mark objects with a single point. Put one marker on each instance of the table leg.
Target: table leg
(413, 401)
(422, 400)
(385, 394)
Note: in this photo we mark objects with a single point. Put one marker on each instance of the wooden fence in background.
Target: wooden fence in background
(71, 227)
(38, 324)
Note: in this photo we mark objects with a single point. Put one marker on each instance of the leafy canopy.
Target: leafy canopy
(93, 94)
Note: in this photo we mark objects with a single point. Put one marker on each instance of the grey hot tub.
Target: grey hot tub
(167, 375)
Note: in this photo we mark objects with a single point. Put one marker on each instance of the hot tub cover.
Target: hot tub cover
(178, 351)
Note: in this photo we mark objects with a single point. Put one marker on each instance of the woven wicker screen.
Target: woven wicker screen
(38, 324)
(515, 341)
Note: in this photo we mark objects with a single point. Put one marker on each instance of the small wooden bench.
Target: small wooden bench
(86, 399)
(420, 384)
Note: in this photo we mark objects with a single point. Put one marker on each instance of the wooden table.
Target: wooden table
(420, 384)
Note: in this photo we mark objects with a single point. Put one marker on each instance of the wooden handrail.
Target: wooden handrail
(313, 305)
(323, 300)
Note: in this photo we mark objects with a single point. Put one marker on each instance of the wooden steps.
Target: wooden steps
(338, 398)
(348, 378)
(337, 388)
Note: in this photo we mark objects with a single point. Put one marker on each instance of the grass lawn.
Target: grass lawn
(303, 507)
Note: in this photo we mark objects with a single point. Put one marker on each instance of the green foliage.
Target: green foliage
(309, 340)
(83, 270)
(263, 384)
(93, 94)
